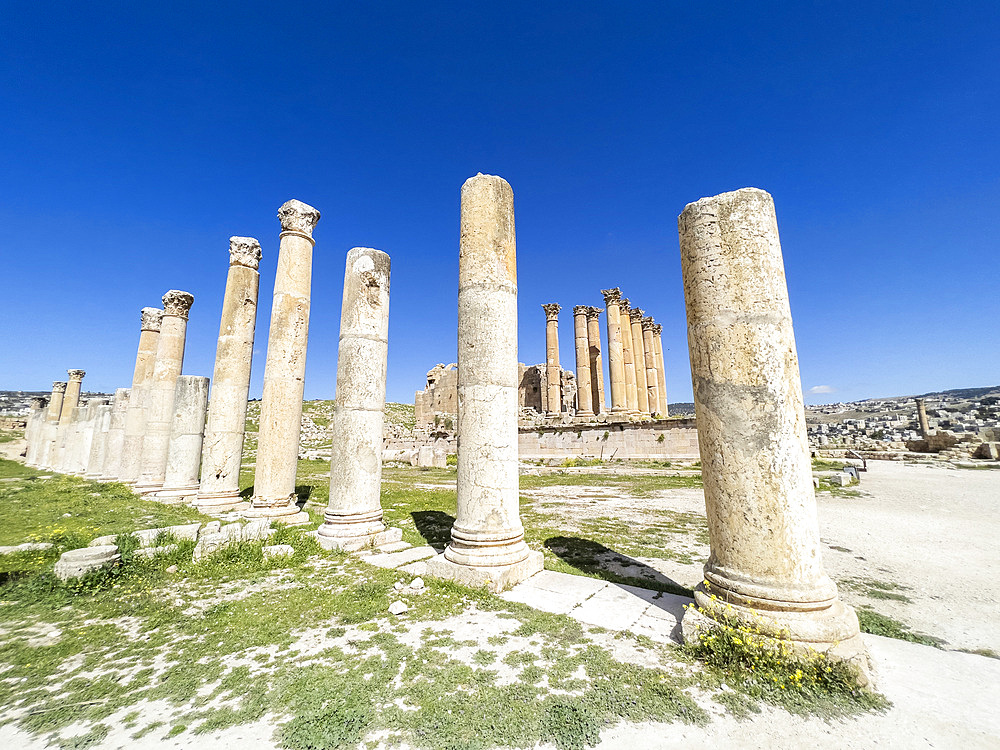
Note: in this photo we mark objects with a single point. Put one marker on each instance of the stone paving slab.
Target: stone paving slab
(612, 607)
(396, 559)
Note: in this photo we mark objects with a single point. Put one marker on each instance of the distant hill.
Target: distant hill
(969, 393)
(683, 408)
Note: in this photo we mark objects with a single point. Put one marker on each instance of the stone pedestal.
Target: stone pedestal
(353, 518)
(99, 442)
(285, 370)
(628, 357)
(616, 352)
(158, 397)
(639, 353)
(584, 388)
(33, 429)
(487, 539)
(180, 479)
(116, 436)
(130, 463)
(661, 370)
(596, 360)
(73, 428)
(553, 372)
(652, 380)
(766, 560)
(222, 455)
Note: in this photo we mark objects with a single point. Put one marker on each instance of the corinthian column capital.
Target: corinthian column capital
(244, 251)
(612, 296)
(298, 217)
(551, 310)
(177, 303)
(150, 318)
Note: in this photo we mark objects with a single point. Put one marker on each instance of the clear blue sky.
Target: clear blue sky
(135, 138)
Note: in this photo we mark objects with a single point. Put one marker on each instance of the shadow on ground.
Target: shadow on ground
(434, 526)
(595, 559)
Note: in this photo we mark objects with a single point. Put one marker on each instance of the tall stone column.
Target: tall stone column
(616, 354)
(487, 540)
(50, 430)
(766, 559)
(353, 518)
(639, 354)
(628, 350)
(596, 361)
(222, 454)
(99, 442)
(82, 437)
(72, 398)
(67, 421)
(584, 390)
(925, 429)
(661, 371)
(553, 373)
(130, 463)
(116, 436)
(652, 381)
(180, 478)
(158, 406)
(33, 429)
(285, 369)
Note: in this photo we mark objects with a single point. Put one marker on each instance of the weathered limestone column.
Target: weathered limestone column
(925, 429)
(596, 361)
(652, 381)
(50, 430)
(661, 371)
(33, 429)
(82, 437)
(616, 354)
(72, 398)
(158, 406)
(222, 454)
(628, 350)
(285, 369)
(116, 436)
(553, 373)
(584, 379)
(99, 442)
(487, 540)
(130, 463)
(766, 561)
(67, 423)
(353, 518)
(639, 354)
(180, 479)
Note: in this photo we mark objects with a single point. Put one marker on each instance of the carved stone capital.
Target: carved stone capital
(637, 314)
(75, 374)
(580, 309)
(59, 387)
(623, 306)
(177, 303)
(612, 296)
(37, 402)
(593, 313)
(657, 329)
(551, 310)
(297, 216)
(647, 324)
(244, 251)
(150, 318)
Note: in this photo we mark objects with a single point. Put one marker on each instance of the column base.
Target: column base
(481, 549)
(177, 495)
(282, 510)
(146, 487)
(494, 578)
(342, 536)
(217, 503)
(92, 477)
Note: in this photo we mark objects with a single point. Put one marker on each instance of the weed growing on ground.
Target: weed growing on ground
(879, 624)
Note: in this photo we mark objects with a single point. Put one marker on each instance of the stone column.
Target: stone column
(596, 361)
(487, 540)
(50, 430)
(99, 442)
(130, 463)
(180, 478)
(925, 429)
(616, 355)
(652, 381)
(628, 351)
(72, 398)
(353, 518)
(82, 437)
(222, 455)
(584, 379)
(158, 406)
(67, 422)
(33, 429)
(766, 558)
(553, 373)
(661, 371)
(285, 370)
(116, 436)
(639, 354)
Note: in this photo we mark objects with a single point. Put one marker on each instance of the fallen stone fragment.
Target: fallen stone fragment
(102, 541)
(151, 552)
(79, 562)
(26, 547)
(417, 584)
(172, 569)
(278, 550)
(397, 608)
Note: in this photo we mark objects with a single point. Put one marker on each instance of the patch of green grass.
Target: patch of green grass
(879, 624)
(876, 589)
(9, 436)
(988, 652)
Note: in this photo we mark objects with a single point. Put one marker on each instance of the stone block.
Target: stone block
(78, 562)
(278, 550)
(494, 579)
(989, 451)
(151, 552)
(103, 541)
(397, 559)
(257, 530)
(26, 547)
